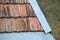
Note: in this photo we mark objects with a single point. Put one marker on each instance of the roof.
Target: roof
(14, 1)
(16, 17)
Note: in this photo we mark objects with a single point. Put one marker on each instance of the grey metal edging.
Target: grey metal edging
(40, 16)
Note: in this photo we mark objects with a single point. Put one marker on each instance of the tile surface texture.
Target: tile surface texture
(17, 16)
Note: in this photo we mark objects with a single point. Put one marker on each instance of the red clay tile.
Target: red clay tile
(9, 25)
(22, 10)
(39, 27)
(13, 24)
(29, 10)
(5, 10)
(18, 17)
(13, 10)
(1, 11)
(14, 1)
(19, 24)
(2, 25)
(16, 10)
(34, 25)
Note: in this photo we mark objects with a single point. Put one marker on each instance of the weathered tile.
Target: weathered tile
(17, 1)
(13, 10)
(13, 24)
(9, 25)
(24, 1)
(39, 26)
(18, 17)
(29, 10)
(4, 1)
(34, 25)
(17, 10)
(0, 1)
(22, 10)
(1, 10)
(19, 24)
(14, 1)
(2, 25)
(4, 10)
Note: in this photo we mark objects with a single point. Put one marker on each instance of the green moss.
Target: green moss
(51, 9)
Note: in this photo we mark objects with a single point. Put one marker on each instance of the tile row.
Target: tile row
(20, 24)
(14, 1)
(16, 10)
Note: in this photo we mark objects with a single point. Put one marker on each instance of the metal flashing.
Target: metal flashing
(40, 16)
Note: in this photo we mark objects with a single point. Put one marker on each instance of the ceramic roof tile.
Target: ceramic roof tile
(18, 17)
(24, 12)
(19, 24)
(2, 11)
(29, 10)
(13, 10)
(34, 24)
(2, 25)
(14, 1)
(16, 10)
(8, 10)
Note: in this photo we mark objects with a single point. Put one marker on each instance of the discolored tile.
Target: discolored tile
(14, 1)
(34, 24)
(17, 10)
(1, 10)
(30, 11)
(18, 17)
(2, 25)
(19, 24)
(9, 25)
(22, 10)
(13, 10)
(13, 25)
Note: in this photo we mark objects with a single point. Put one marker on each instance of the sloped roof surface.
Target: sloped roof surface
(14, 1)
(18, 15)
